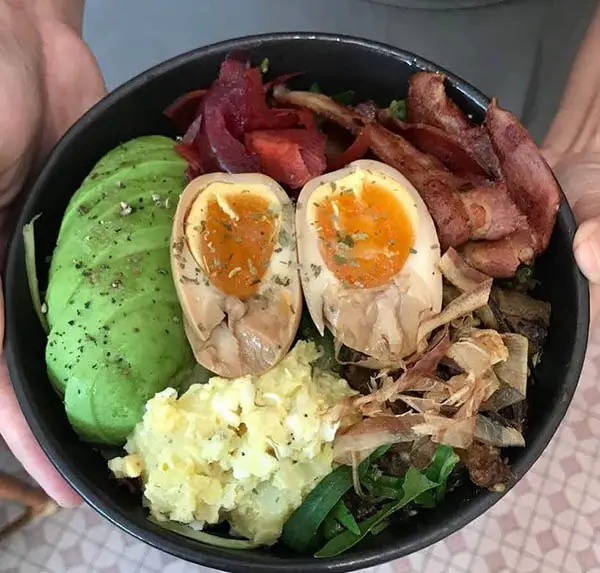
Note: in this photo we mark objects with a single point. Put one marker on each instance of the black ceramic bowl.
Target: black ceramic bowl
(376, 72)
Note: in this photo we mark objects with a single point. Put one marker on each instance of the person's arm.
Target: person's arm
(576, 127)
(48, 78)
(68, 12)
(572, 147)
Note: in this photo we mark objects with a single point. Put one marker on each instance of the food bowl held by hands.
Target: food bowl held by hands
(377, 72)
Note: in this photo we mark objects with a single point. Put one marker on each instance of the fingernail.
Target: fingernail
(587, 256)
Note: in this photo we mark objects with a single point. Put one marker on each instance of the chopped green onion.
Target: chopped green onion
(264, 66)
(314, 88)
(441, 466)
(30, 267)
(203, 537)
(342, 515)
(524, 273)
(415, 484)
(398, 109)
(300, 530)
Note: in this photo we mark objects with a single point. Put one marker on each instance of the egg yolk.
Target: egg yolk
(237, 243)
(365, 235)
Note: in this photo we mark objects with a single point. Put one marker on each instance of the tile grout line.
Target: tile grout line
(587, 483)
(475, 551)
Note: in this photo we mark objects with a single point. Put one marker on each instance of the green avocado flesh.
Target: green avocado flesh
(116, 332)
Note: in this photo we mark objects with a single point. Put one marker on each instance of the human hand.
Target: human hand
(578, 172)
(48, 78)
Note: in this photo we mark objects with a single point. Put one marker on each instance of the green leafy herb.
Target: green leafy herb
(342, 515)
(441, 466)
(30, 268)
(204, 537)
(348, 241)
(398, 109)
(524, 273)
(331, 527)
(382, 486)
(380, 527)
(264, 66)
(415, 484)
(345, 97)
(300, 531)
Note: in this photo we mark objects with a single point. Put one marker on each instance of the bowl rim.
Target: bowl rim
(167, 541)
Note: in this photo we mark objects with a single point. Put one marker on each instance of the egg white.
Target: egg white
(230, 336)
(380, 322)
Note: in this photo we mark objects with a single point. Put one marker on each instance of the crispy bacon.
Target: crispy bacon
(502, 258)
(428, 103)
(529, 179)
(492, 213)
(506, 149)
(446, 147)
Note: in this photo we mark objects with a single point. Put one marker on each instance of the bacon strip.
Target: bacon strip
(506, 148)
(500, 259)
(428, 103)
(492, 213)
(446, 147)
(529, 179)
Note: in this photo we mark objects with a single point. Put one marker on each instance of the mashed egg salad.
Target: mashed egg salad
(247, 450)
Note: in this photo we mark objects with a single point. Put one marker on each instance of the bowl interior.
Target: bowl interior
(374, 72)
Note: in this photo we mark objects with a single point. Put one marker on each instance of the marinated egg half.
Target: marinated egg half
(368, 252)
(234, 263)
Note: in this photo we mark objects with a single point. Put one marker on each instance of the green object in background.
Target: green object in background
(116, 333)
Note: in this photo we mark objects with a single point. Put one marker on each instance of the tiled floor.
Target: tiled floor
(549, 523)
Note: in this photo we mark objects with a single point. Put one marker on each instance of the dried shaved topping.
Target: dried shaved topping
(366, 436)
(459, 273)
(477, 350)
(455, 433)
(494, 434)
(460, 306)
(513, 371)
(421, 405)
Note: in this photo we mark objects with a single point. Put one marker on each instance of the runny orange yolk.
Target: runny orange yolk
(364, 238)
(237, 250)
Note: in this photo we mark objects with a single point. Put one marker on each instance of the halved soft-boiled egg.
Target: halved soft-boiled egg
(234, 262)
(369, 254)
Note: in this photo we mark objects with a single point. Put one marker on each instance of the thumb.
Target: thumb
(586, 247)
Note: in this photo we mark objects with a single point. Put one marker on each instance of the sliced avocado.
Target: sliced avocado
(116, 333)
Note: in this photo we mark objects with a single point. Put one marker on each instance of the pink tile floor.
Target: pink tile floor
(550, 522)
